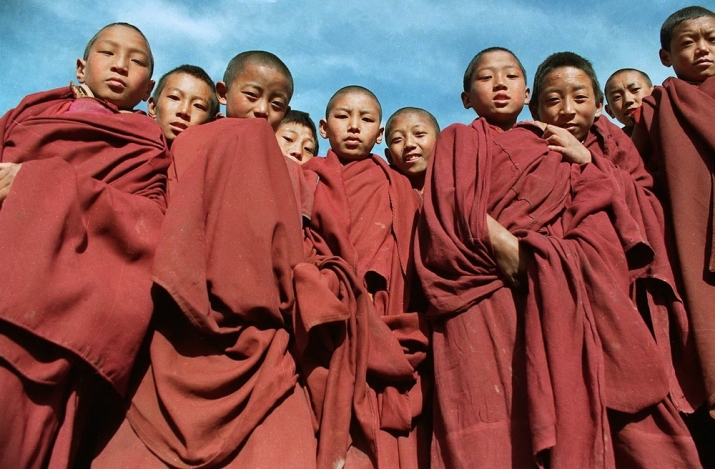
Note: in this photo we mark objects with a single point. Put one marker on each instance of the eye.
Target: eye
(288, 139)
(200, 107)
(512, 76)
(139, 62)
(395, 140)
(615, 98)
(341, 116)
(106, 52)
(686, 42)
(278, 105)
(173, 97)
(420, 134)
(368, 119)
(250, 95)
(309, 150)
(484, 77)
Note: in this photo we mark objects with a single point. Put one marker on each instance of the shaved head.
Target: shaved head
(412, 110)
(256, 57)
(350, 90)
(91, 42)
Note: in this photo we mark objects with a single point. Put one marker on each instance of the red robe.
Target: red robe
(563, 371)
(675, 137)
(79, 229)
(363, 354)
(221, 387)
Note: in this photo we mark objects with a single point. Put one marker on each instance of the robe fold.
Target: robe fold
(221, 387)
(675, 137)
(565, 373)
(363, 349)
(79, 228)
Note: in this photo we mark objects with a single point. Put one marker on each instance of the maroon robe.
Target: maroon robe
(675, 137)
(363, 353)
(79, 229)
(221, 387)
(566, 370)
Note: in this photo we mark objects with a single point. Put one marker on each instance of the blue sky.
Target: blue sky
(409, 53)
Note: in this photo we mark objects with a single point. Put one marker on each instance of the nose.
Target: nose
(629, 99)
(567, 108)
(120, 64)
(499, 82)
(354, 123)
(701, 46)
(261, 109)
(409, 143)
(184, 110)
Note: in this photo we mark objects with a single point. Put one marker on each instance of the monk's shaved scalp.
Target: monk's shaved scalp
(256, 57)
(469, 72)
(644, 75)
(349, 90)
(684, 14)
(561, 60)
(126, 25)
(412, 110)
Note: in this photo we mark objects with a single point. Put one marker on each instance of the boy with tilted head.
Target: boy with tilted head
(365, 212)
(183, 97)
(220, 387)
(624, 91)
(82, 179)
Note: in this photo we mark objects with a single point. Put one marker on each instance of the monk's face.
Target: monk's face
(352, 125)
(184, 101)
(498, 90)
(568, 100)
(692, 49)
(259, 91)
(625, 93)
(296, 141)
(410, 142)
(118, 67)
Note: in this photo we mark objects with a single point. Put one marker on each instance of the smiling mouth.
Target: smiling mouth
(412, 158)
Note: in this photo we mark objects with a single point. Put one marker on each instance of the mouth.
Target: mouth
(501, 99)
(411, 158)
(703, 61)
(352, 141)
(115, 84)
(178, 127)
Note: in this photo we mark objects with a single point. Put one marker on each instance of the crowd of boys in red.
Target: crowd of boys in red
(188, 290)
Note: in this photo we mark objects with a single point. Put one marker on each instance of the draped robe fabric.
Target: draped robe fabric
(565, 371)
(221, 387)
(362, 342)
(675, 137)
(79, 228)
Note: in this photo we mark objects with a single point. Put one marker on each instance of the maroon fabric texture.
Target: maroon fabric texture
(363, 343)
(675, 137)
(520, 372)
(653, 286)
(79, 226)
(220, 364)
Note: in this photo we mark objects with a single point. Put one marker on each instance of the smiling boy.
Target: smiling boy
(411, 134)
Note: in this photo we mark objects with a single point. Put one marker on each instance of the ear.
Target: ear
(599, 108)
(149, 89)
(465, 100)
(81, 66)
(388, 156)
(221, 90)
(151, 108)
(323, 124)
(527, 95)
(665, 57)
(379, 136)
(609, 111)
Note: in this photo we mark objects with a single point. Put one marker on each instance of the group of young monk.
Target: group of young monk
(500, 294)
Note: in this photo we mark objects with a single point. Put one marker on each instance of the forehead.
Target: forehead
(187, 83)
(623, 79)
(264, 76)
(563, 78)
(695, 24)
(123, 35)
(407, 120)
(356, 100)
(299, 129)
(497, 58)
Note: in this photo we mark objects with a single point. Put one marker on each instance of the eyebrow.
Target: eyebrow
(116, 44)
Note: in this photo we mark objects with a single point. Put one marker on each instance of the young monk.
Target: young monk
(365, 374)
(567, 98)
(183, 97)
(625, 90)
(220, 388)
(411, 134)
(674, 137)
(82, 203)
(297, 136)
(531, 376)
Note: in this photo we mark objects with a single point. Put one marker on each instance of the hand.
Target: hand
(562, 141)
(7, 176)
(511, 260)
